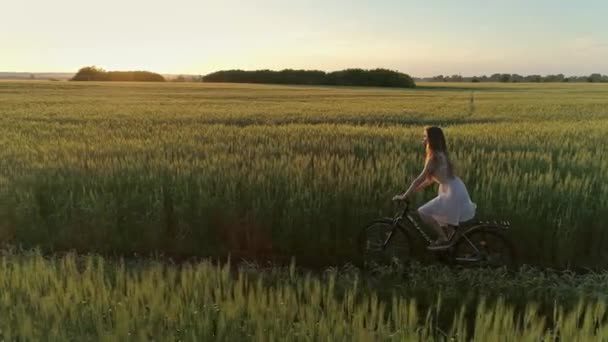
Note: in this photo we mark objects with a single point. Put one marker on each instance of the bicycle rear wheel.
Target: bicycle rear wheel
(484, 247)
(381, 244)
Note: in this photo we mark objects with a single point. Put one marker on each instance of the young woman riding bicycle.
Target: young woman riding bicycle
(452, 204)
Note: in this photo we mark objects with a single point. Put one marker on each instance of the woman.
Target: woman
(453, 204)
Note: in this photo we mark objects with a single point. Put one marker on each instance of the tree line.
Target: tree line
(515, 78)
(347, 77)
(93, 73)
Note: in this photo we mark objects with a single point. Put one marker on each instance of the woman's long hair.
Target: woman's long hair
(436, 143)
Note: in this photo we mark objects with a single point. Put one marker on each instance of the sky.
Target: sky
(421, 38)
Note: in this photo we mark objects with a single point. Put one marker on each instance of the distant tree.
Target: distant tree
(455, 78)
(595, 78)
(32, 77)
(494, 78)
(505, 78)
(475, 79)
(533, 78)
(180, 78)
(90, 73)
(553, 78)
(93, 73)
(374, 78)
(515, 78)
(348, 77)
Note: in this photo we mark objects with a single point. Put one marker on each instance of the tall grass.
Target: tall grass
(90, 298)
(275, 172)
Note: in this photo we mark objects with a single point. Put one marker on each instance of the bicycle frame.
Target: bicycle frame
(406, 215)
(401, 216)
(413, 223)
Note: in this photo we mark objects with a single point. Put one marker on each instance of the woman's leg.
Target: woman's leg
(428, 219)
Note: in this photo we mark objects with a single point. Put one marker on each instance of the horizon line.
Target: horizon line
(327, 71)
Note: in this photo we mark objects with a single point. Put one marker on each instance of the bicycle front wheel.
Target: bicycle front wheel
(382, 243)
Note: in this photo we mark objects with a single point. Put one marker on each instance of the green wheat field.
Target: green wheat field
(101, 182)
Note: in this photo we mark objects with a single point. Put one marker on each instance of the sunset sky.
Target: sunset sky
(421, 38)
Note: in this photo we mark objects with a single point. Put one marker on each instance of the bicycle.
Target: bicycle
(473, 243)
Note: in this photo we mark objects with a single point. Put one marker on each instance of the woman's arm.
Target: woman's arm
(427, 182)
(418, 182)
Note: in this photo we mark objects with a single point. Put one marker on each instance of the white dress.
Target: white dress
(452, 204)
